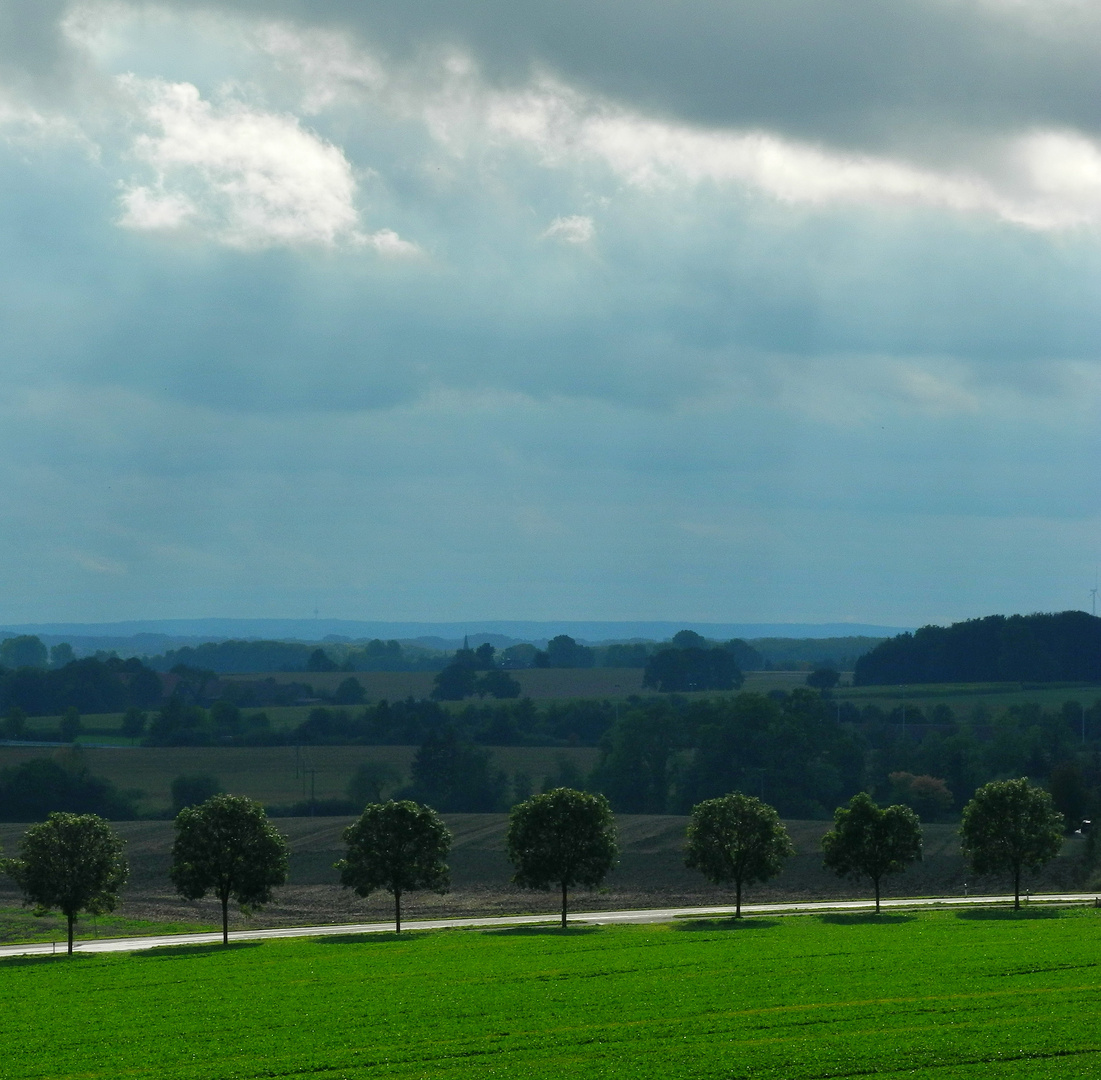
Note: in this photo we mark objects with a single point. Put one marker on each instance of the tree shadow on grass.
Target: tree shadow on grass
(164, 952)
(729, 922)
(42, 958)
(861, 917)
(543, 931)
(381, 937)
(1001, 913)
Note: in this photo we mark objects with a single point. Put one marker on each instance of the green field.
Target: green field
(22, 925)
(945, 996)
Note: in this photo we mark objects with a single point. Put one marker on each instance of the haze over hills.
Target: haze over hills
(152, 635)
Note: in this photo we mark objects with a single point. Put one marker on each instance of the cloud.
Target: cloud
(251, 178)
(833, 351)
(574, 229)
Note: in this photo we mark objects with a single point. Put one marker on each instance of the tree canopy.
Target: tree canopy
(1008, 827)
(72, 863)
(227, 846)
(397, 846)
(1036, 648)
(871, 841)
(682, 670)
(33, 789)
(736, 840)
(89, 686)
(563, 837)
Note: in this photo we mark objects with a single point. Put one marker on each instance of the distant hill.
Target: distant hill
(151, 636)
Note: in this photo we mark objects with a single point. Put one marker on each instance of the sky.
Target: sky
(708, 310)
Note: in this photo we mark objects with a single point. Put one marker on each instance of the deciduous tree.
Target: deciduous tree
(736, 840)
(397, 846)
(72, 863)
(871, 841)
(227, 846)
(1009, 827)
(563, 837)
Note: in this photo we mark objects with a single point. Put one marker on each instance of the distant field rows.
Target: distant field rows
(276, 774)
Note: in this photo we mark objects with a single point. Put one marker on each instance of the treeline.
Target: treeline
(41, 786)
(88, 685)
(664, 753)
(246, 657)
(1063, 647)
(798, 751)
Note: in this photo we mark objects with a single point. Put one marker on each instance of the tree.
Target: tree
(455, 682)
(455, 775)
(227, 846)
(319, 660)
(565, 838)
(870, 841)
(737, 840)
(369, 780)
(681, 670)
(349, 692)
(61, 654)
(25, 651)
(71, 862)
(399, 847)
(498, 684)
(191, 789)
(824, 678)
(15, 723)
(133, 722)
(563, 652)
(40, 786)
(928, 796)
(69, 726)
(1010, 826)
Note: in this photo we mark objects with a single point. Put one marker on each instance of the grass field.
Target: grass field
(942, 996)
(21, 924)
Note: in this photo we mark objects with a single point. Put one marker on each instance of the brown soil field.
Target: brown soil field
(651, 873)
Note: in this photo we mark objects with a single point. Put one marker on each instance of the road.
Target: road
(587, 918)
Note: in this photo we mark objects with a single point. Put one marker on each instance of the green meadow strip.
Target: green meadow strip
(938, 995)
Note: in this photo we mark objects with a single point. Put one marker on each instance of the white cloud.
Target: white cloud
(253, 178)
(575, 229)
(325, 63)
(148, 209)
(387, 242)
(1040, 179)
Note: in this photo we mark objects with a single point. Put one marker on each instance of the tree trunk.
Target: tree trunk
(1017, 888)
(70, 916)
(397, 910)
(563, 905)
(225, 919)
(738, 899)
(876, 881)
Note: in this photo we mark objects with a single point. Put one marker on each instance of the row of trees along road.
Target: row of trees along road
(561, 839)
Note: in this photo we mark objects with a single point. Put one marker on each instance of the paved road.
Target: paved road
(587, 918)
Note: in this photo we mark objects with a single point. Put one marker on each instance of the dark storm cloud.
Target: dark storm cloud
(857, 73)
